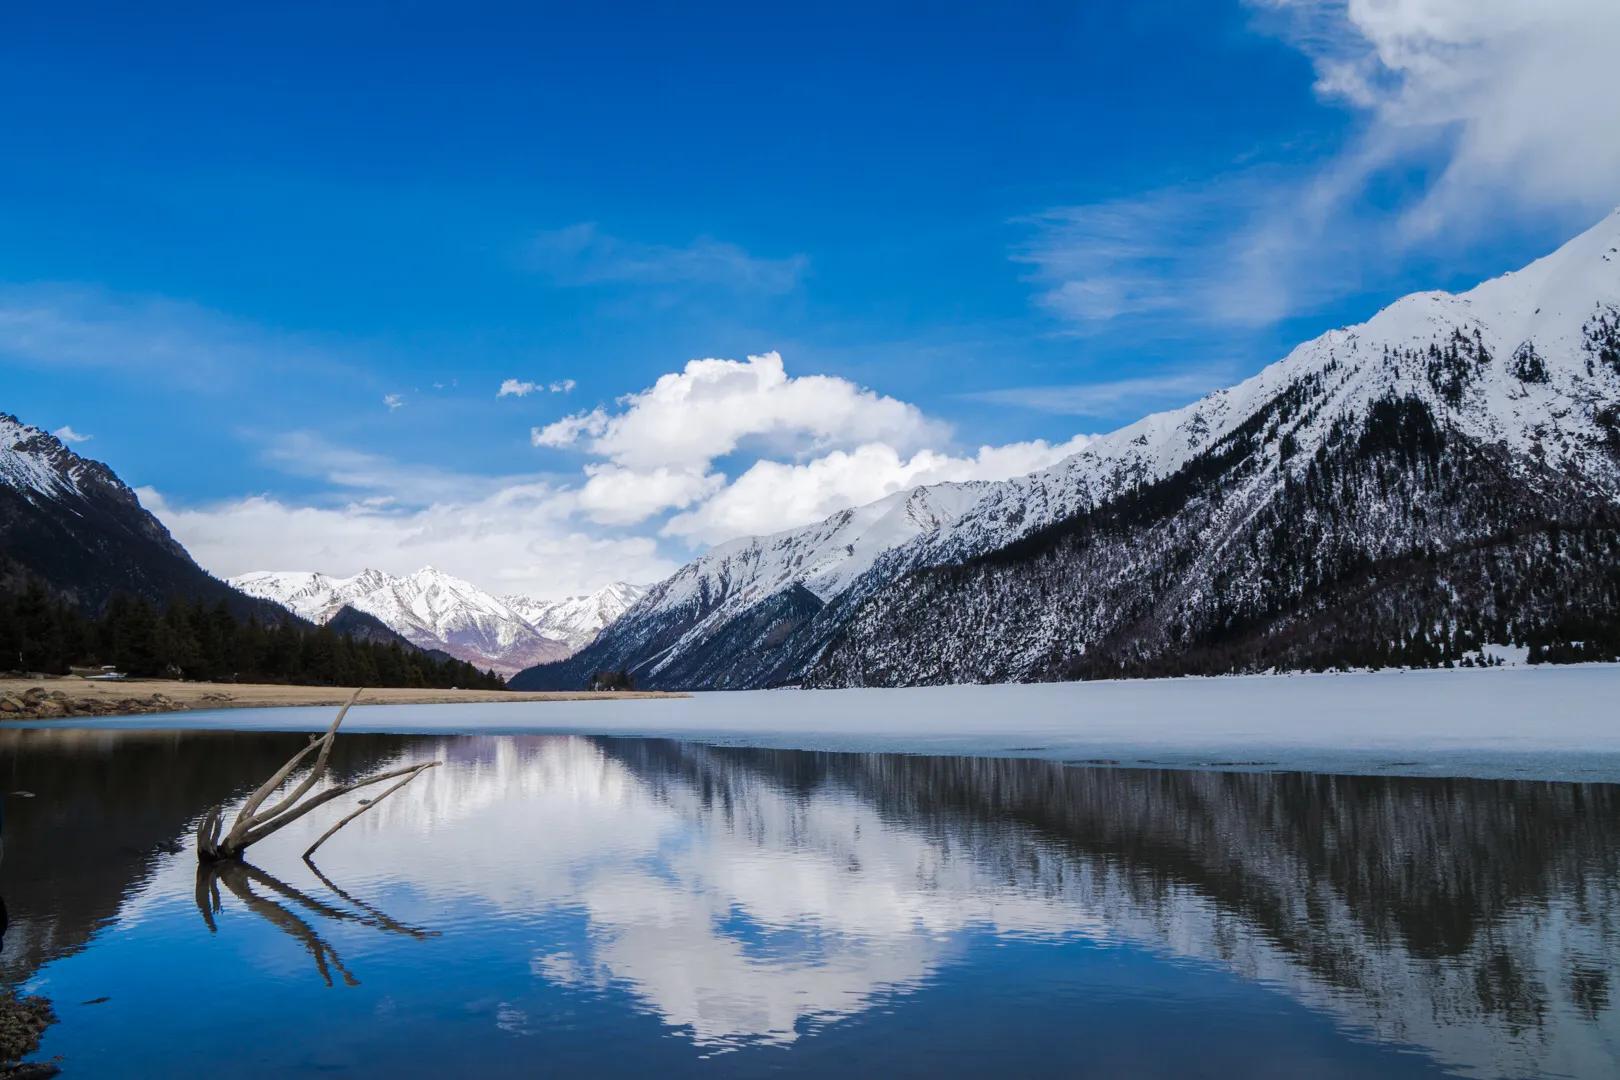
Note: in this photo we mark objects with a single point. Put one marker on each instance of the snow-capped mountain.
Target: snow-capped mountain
(69, 522)
(435, 610)
(711, 606)
(1423, 474)
(577, 620)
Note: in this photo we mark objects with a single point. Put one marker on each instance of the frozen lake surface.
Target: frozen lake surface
(1547, 723)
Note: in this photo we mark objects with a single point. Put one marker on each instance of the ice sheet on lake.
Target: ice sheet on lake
(1529, 723)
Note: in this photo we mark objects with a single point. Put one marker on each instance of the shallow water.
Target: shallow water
(570, 905)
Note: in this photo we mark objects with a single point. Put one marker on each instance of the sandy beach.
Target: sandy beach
(43, 699)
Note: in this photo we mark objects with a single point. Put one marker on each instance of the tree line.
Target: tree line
(197, 641)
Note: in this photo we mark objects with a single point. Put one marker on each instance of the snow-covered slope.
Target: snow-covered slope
(1525, 366)
(681, 615)
(1542, 321)
(577, 620)
(435, 610)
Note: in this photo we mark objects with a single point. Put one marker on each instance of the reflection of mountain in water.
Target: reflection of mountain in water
(751, 895)
(1475, 919)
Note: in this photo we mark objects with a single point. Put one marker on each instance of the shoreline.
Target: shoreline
(68, 697)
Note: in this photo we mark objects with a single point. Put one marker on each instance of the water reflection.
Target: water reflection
(764, 898)
(239, 878)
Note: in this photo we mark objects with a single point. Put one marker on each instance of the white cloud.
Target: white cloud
(68, 435)
(821, 444)
(523, 387)
(569, 429)
(1521, 99)
(774, 495)
(520, 538)
(583, 255)
(691, 417)
(393, 401)
(618, 496)
(1509, 108)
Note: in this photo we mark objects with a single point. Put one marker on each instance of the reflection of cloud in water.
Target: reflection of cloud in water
(750, 895)
(737, 917)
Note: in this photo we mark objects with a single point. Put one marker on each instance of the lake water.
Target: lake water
(572, 905)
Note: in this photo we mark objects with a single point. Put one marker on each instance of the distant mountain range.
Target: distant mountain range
(435, 610)
(1408, 490)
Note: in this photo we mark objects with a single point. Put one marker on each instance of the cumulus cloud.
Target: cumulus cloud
(661, 444)
(774, 495)
(822, 443)
(569, 430)
(614, 495)
(519, 538)
(660, 462)
(709, 408)
(68, 435)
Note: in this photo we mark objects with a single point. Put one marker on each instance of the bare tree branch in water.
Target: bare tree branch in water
(253, 824)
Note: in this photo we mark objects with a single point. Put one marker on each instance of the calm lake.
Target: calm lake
(564, 904)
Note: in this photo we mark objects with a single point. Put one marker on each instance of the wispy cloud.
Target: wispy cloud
(584, 255)
(1471, 116)
(377, 478)
(1519, 102)
(68, 435)
(393, 401)
(523, 388)
(1170, 252)
(54, 326)
(515, 538)
(1112, 398)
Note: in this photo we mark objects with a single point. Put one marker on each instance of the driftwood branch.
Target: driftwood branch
(253, 824)
(364, 806)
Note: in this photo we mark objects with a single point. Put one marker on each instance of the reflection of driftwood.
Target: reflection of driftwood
(374, 916)
(241, 877)
(253, 824)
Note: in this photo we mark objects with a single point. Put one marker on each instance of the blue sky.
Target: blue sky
(277, 263)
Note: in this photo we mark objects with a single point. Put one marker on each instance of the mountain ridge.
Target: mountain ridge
(1525, 367)
(437, 611)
